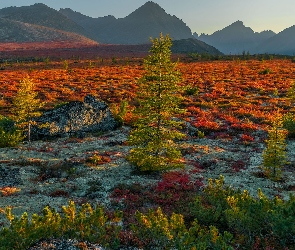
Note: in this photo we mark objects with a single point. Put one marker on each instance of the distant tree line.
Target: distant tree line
(243, 56)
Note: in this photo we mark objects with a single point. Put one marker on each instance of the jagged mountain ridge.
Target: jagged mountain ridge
(236, 38)
(282, 43)
(136, 28)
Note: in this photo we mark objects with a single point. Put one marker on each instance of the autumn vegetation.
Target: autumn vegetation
(241, 99)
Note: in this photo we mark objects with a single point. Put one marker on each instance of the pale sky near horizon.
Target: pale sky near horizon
(202, 16)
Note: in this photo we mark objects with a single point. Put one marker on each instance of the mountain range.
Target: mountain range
(136, 28)
(39, 23)
(282, 43)
(236, 38)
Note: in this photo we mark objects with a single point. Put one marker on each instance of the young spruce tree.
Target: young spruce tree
(26, 105)
(159, 98)
(275, 156)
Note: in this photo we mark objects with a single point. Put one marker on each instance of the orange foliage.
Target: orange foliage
(7, 191)
(232, 94)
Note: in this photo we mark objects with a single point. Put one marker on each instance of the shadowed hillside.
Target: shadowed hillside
(40, 14)
(100, 28)
(15, 31)
(192, 45)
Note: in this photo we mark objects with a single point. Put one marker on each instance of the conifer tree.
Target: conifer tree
(274, 156)
(159, 98)
(291, 93)
(289, 118)
(10, 136)
(26, 105)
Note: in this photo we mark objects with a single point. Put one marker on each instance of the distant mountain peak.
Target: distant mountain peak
(38, 7)
(149, 20)
(151, 4)
(237, 23)
(282, 43)
(147, 10)
(236, 38)
(40, 4)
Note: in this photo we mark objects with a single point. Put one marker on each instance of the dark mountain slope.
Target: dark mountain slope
(101, 28)
(192, 45)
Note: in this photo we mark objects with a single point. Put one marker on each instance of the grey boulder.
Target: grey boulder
(75, 118)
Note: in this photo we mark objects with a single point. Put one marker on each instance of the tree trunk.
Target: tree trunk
(29, 131)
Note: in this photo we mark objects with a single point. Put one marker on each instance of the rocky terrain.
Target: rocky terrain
(41, 173)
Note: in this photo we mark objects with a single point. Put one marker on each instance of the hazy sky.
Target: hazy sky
(202, 16)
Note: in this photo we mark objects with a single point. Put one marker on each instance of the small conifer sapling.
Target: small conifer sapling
(26, 105)
(159, 98)
(275, 156)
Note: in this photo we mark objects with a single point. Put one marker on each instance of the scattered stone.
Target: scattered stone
(75, 118)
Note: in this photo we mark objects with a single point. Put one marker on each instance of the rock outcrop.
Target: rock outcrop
(75, 118)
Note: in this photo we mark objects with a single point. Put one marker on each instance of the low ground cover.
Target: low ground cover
(230, 106)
